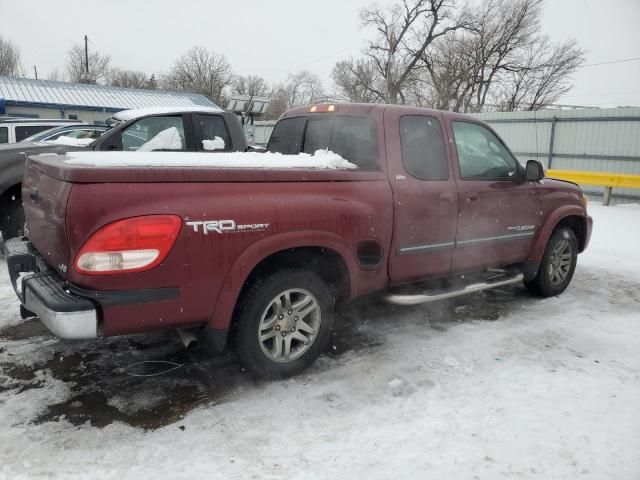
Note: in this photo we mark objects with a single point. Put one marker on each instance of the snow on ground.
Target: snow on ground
(321, 159)
(494, 385)
(616, 242)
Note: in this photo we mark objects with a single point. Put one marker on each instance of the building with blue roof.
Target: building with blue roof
(26, 97)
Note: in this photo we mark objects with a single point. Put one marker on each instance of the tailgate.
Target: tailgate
(45, 199)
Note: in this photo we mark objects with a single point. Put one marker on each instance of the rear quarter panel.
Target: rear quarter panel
(211, 269)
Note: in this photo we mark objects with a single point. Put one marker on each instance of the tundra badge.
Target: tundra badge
(521, 228)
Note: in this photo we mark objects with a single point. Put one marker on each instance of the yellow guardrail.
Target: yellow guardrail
(601, 179)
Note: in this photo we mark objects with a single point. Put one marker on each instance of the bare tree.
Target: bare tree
(56, 75)
(303, 88)
(202, 71)
(117, 77)
(251, 85)
(99, 65)
(500, 61)
(152, 83)
(542, 77)
(10, 65)
(358, 80)
(450, 73)
(404, 32)
(277, 106)
(503, 29)
(300, 89)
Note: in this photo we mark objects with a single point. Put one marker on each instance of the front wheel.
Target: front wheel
(283, 323)
(557, 266)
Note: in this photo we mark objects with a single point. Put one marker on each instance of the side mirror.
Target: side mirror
(534, 171)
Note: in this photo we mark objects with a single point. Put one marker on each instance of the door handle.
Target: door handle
(446, 197)
(472, 197)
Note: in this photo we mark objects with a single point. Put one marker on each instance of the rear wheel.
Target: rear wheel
(557, 266)
(12, 219)
(283, 323)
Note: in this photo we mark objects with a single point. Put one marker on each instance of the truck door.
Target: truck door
(425, 195)
(499, 212)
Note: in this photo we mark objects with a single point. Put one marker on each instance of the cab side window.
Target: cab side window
(4, 135)
(155, 134)
(215, 135)
(424, 154)
(24, 131)
(481, 155)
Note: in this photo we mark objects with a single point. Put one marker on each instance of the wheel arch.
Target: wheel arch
(569, 216)
(579, 226)
(324, 253)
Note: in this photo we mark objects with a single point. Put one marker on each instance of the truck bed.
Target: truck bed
(327, 207)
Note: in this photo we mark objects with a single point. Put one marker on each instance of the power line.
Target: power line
(603, 93)
(611, 61)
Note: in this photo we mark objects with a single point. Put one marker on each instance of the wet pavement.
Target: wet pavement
(150, 381)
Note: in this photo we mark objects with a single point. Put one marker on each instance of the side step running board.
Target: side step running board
(405, 299)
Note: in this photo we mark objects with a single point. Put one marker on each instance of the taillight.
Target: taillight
(131, 245)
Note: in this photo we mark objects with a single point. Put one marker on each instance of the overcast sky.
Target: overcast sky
(272, 38)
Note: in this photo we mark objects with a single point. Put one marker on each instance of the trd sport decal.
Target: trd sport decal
(226, 226)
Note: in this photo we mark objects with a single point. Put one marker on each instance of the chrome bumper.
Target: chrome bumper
(71, 325)
(43, 293)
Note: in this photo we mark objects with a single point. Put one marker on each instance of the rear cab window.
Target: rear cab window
(4, 135)
(286, 137)
(354, 138)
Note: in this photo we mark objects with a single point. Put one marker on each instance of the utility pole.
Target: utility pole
(35, 71)
(86, 56)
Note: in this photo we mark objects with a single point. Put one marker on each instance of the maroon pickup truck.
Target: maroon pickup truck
(430, 205)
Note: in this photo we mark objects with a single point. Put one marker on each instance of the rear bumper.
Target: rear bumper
(43, 292)
(76, 324)
(70, 312)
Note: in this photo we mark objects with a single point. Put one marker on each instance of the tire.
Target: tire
(557, 266)
(266, 322)
(12, 220)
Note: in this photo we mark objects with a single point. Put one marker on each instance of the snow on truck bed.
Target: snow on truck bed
(321, 160)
